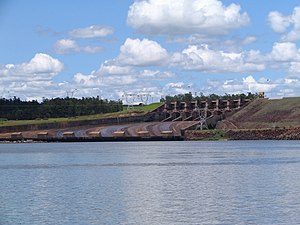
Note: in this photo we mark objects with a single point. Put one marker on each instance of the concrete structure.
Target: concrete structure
(118, 133)
(166, 133)
(169, 120)
(94, 134)
(68, 134)
(143, 133)
(184, 111)
(16, 135)
(42, 135)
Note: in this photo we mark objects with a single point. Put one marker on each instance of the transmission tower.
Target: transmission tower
(144, 98)
(130, 99)
(202, 115)
(70, 93)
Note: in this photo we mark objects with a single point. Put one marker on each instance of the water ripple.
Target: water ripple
(150, 183)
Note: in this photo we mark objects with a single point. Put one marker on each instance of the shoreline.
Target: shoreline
(188, 135)
(245, 134)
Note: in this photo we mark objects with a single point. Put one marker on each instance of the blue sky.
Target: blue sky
(153, 47)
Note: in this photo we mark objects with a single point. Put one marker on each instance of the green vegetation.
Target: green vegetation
(206, 135)
(146, 108)
(264, 113)
(137, 110)
(219, 135)
(16, 109)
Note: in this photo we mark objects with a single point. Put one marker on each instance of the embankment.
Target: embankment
(245, 134)
(265, 114)
(81, 123)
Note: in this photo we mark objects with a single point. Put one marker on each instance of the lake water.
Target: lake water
(225, 182)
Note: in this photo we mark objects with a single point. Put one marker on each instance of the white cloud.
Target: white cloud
(230, 44)
(115, 76)
(294, 34)
(144, 52)
(249, 40)
(278, 88)
(150, 74)
(93, 31)
(294, 70)
(87, 80)
(110, 68)
(65, 46)
(96, 80)
(202, 58)
(100, 78)
(255, 56)
(124, 71)
(257, 86)
(285, 52)
(41, 66)
(113, 87)
(280, 24)
(111, 75)
(30, 90)
(175, 88)
(247, 84)
(90, 49)
(287, 87)
(30, 80)
(285, 56)
(170, 17)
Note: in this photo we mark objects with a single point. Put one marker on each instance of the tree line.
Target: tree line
(17, 109)
(188, 97)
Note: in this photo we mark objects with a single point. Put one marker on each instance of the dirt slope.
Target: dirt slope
(264, 113)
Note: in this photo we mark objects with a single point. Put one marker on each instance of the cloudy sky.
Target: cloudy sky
(52, 48)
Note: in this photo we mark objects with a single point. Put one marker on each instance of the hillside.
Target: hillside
(265, 113)
(137, 110)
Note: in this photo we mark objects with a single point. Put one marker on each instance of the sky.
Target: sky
(150, 48)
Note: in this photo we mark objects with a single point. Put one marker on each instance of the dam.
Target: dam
(167, 122)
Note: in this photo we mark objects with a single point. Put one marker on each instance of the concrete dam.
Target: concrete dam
(167, 122)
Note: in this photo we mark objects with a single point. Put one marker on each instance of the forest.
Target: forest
(17, 109)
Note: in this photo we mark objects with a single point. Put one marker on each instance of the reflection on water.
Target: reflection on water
(241, 182)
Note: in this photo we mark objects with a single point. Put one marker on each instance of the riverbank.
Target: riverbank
(91, 139)
(188, 135)
(244, 134)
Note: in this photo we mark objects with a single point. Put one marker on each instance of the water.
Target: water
(228, 182)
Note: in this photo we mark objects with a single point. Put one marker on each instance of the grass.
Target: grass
(215, 135)
(137, 110)
(145, 108)
(264, 113)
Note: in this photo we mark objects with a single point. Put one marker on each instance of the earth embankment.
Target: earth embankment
(245, 134)
(265, 114)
